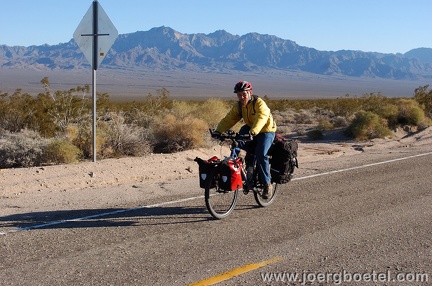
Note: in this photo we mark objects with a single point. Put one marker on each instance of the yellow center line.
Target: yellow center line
(235, 272)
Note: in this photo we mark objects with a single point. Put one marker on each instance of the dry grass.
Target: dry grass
(161, 124)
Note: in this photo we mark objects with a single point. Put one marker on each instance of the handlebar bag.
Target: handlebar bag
(231, 174)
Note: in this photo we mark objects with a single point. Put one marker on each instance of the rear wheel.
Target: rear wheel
(219, 203)
(265, 202)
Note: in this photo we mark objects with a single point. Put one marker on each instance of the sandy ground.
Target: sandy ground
(30, 189)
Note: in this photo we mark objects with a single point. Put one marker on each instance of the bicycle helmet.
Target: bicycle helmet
(242, 85)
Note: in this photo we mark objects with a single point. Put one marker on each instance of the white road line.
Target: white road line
(360, 167)
(199, 197)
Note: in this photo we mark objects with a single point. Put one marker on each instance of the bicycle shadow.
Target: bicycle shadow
(109, 217)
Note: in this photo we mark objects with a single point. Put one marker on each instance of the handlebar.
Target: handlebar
(238, 141)
(231, 135)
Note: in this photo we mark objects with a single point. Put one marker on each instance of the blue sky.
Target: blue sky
(388, 26)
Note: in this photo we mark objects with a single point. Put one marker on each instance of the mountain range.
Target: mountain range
(165, 49)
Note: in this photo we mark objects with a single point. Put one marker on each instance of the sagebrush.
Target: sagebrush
(55, 127)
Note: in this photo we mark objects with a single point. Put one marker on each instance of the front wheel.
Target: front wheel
(219, 203)
(266, 202)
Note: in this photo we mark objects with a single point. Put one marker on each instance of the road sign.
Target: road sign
(95, 38)
(95, 35)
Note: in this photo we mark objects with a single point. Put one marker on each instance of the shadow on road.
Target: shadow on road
(110, 217)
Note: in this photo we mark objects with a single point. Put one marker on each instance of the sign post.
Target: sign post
(95, 45)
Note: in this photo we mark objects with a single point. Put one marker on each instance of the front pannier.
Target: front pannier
(204, 167)
(231, 174)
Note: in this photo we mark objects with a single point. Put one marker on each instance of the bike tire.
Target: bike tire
(219, 203)
(266, 202)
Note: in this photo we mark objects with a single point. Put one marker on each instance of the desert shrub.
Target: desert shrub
(134, 128)
(60, 151)
(122, 139)
(291, 116)
(84, 141)
(322, 114)
(160, 103)
(24, 149)
(300, 131)
(425, 123)
(278, 117)
(325, 125)
(212, 111)
(137, 115)
(17, 111)
(65, 107)
(367, 125)
(315, 134)
(346, 106)
(373, 102)
(390, 112)
(172, 134)
(183, 108)
(339, 121)
(304, 117)
(410, 112)
(283, 129)
(144, 113)
(424, 97)
(72, 132)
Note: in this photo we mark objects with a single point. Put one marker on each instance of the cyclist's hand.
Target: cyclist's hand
(246, 137)
(215, 134)
(250, 137)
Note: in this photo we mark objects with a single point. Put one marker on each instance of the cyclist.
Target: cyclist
(259, 124)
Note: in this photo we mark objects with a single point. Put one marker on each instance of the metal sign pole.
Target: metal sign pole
(94, 114)
(89, 27)
(94, 68)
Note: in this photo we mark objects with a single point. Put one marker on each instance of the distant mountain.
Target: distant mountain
(422, 54)
(163, 48)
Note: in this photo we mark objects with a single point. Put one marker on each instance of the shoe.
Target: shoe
(267, 191)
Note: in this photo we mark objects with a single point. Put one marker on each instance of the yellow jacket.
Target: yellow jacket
(256, 115)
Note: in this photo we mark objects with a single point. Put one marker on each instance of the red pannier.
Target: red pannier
(231, 174)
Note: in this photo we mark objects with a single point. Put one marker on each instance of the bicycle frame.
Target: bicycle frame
(235, 152)
(220, 202)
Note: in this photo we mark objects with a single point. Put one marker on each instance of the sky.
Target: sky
(386, 26)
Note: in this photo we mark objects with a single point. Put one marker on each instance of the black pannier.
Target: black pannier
(205, 167)
(283, 159)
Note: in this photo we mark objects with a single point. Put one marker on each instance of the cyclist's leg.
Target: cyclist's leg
(264, 142)
(249, 147)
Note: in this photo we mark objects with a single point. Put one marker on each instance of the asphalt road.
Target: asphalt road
(363, 226)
